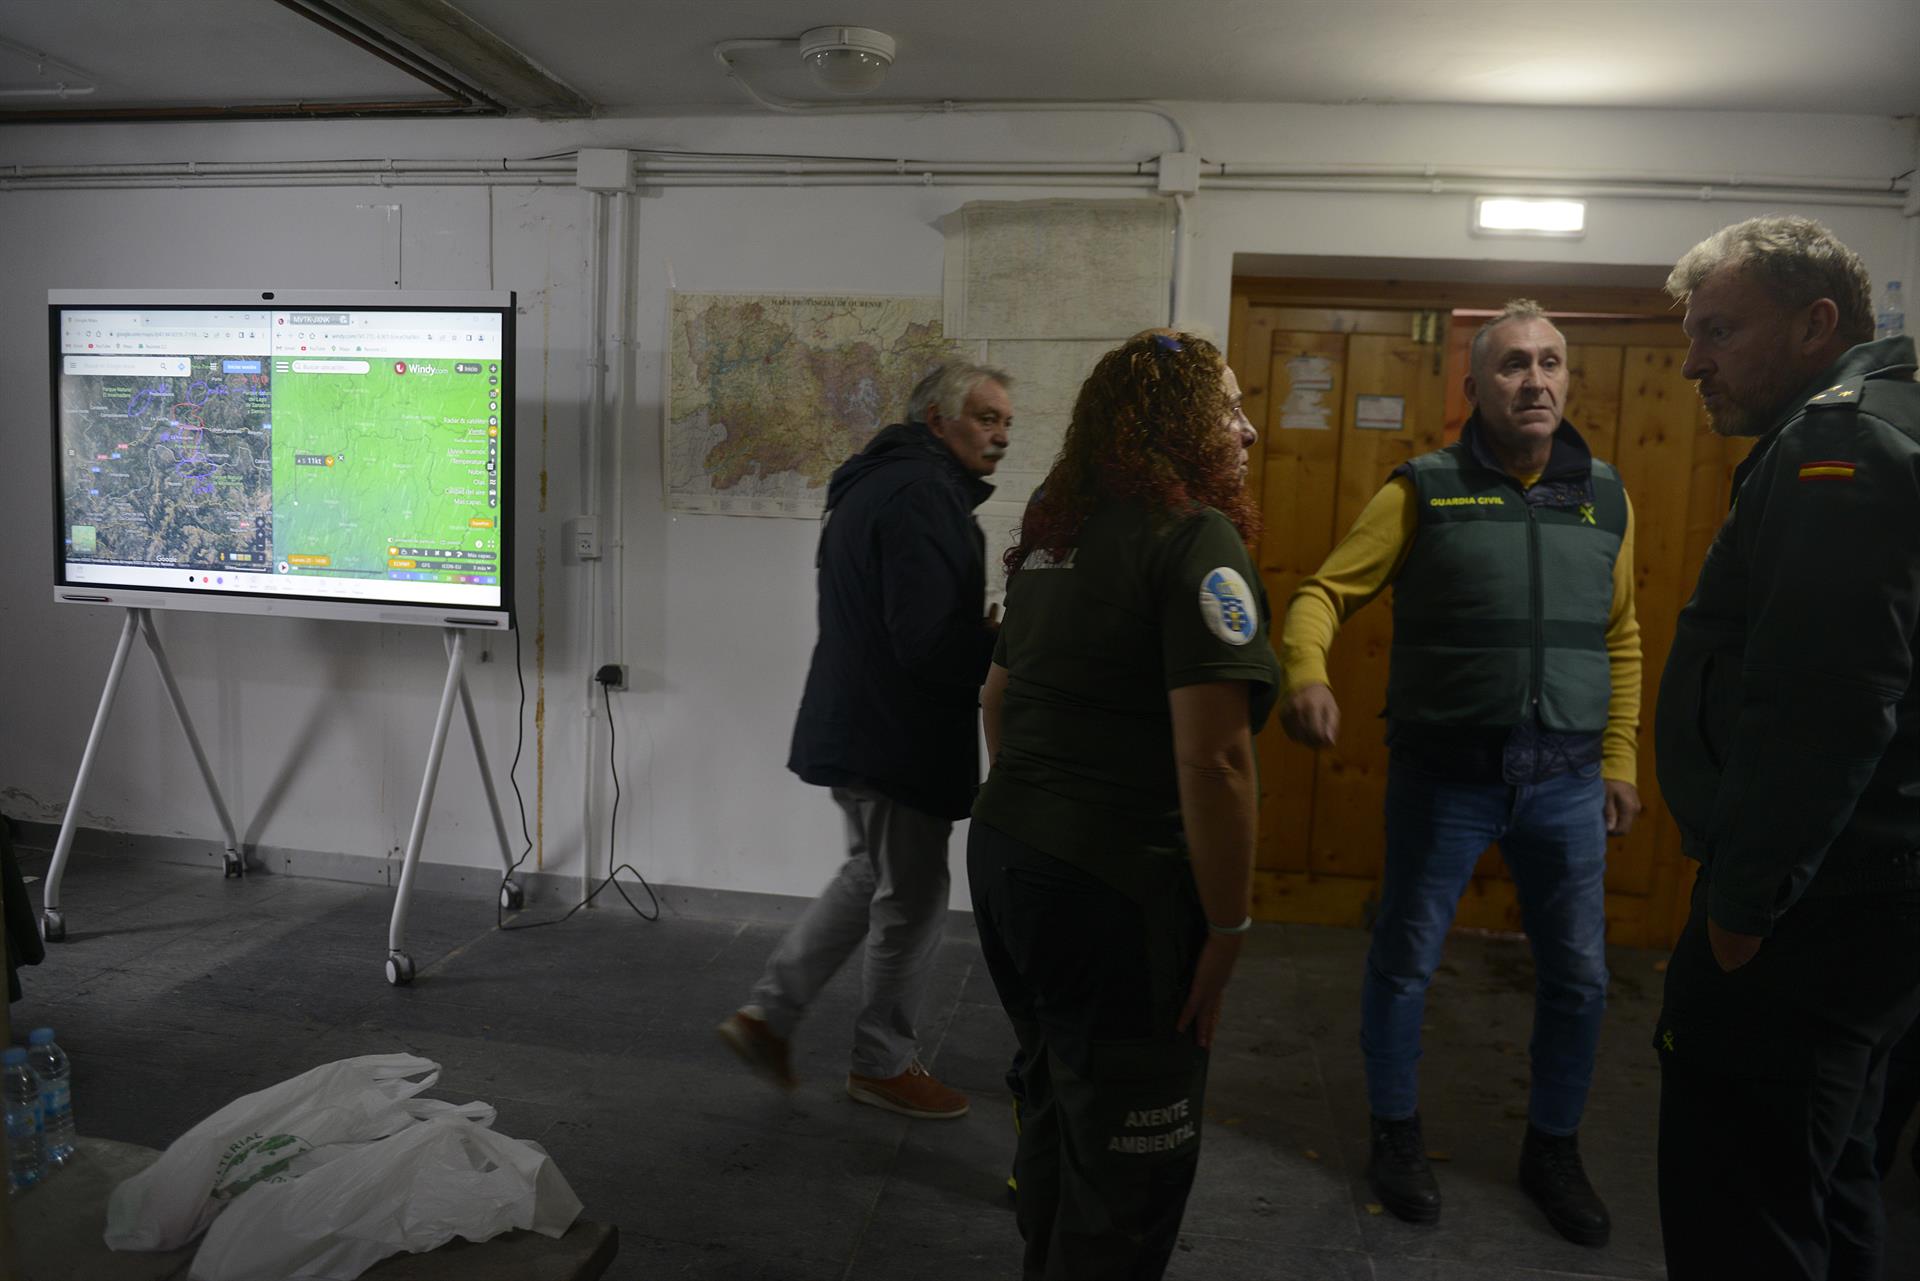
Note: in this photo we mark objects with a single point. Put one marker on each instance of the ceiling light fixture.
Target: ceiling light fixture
(847, 60)
(1526, 216)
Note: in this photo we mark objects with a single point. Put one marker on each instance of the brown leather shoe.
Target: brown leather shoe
(914, 1092)
(756, 1044)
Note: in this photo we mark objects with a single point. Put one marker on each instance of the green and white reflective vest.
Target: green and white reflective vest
(1502, 604)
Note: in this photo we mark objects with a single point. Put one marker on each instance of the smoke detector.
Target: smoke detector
(847, 60)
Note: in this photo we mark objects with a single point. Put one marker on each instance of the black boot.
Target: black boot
(1551, 1173)
(1398, 1172)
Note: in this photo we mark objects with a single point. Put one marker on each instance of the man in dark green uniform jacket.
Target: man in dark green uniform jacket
(1788, 744)
(1513, 707)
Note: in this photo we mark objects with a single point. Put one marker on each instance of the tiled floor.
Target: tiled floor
(177, 990)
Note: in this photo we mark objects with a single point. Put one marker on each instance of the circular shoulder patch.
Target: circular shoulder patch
(1226, 606)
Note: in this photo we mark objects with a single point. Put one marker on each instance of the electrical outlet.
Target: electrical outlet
(612, 675)
(583, 537)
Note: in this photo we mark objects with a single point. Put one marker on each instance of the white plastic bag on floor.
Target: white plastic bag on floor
(267, 1136)
(441, 1179)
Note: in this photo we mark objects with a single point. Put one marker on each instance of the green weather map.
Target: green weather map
(392, 473)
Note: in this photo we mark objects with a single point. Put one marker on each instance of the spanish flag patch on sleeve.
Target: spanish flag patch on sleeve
(1827, 469)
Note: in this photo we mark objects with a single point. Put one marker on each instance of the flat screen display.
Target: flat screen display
(311, 453)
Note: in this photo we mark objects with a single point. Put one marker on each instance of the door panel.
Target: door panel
(1593, 396)
(1658, 427)
(1351, 778)
(1305, 381)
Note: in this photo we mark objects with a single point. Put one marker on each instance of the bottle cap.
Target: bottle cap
(14, 1056)
(41, 1036)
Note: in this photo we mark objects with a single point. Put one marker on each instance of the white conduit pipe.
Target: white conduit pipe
(587, 643)
(619, 338)
(206, 168)
(1360, 180)
(1358, 186)
(163, 182)
(893, 180)
(213, 168)
(1490, 188)
(703, 164)
(1497, 173)
(1235, 170)
(1177, 280)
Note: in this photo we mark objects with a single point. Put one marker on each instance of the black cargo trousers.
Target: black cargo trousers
(1093, 981)
(1771, 1079)
(1903, 1096)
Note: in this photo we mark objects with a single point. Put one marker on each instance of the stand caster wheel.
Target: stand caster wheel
(512, 897)
(399, 969)
(233, 867)
(53, 926)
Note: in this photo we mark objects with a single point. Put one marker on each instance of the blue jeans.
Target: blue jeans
(1553, 837)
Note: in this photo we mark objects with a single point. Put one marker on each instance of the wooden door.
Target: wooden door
(1305, 381)
(1389, 378)
(1341, 396)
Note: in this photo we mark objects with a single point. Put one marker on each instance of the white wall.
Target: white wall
(318, 730)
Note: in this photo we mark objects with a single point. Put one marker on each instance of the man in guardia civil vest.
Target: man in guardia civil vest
(1512, 707)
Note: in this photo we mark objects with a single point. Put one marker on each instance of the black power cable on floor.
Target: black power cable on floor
(606, 677)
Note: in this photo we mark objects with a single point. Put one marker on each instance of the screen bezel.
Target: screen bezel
(146, 596)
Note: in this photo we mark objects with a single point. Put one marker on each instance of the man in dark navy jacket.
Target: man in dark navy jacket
(889, 721)
(1788, 737)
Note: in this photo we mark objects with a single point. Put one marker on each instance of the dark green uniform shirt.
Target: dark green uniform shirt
(1093, 640)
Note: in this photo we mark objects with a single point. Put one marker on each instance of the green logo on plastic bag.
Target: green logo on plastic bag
(258, 1158)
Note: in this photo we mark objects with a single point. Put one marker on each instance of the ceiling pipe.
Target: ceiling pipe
(1225, 174)
(191, 183)
(774, 165)
(1491, 187)
(662, 173)
(72, 81)
(221, 168)
(896, 180)
(1499, 173)
(1235, 169)
(50, 91)
(248, 111)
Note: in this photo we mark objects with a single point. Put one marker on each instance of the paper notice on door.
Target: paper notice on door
(1309, 379)
(1379, 413)
(1311, 372)
(1306, 409)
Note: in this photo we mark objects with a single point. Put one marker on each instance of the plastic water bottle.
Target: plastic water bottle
(1891, 321)
(49, 1063)
(22, 1091)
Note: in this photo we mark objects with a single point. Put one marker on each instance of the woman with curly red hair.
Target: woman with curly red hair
(1111, 851)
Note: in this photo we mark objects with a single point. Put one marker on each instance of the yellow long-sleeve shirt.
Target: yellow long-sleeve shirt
(1369, 558)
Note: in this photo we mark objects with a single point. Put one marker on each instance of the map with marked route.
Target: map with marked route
(168, 470)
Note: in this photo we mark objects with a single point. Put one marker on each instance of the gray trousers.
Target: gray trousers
(889, 900)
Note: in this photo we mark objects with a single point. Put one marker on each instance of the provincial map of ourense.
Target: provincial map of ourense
(767, 394)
